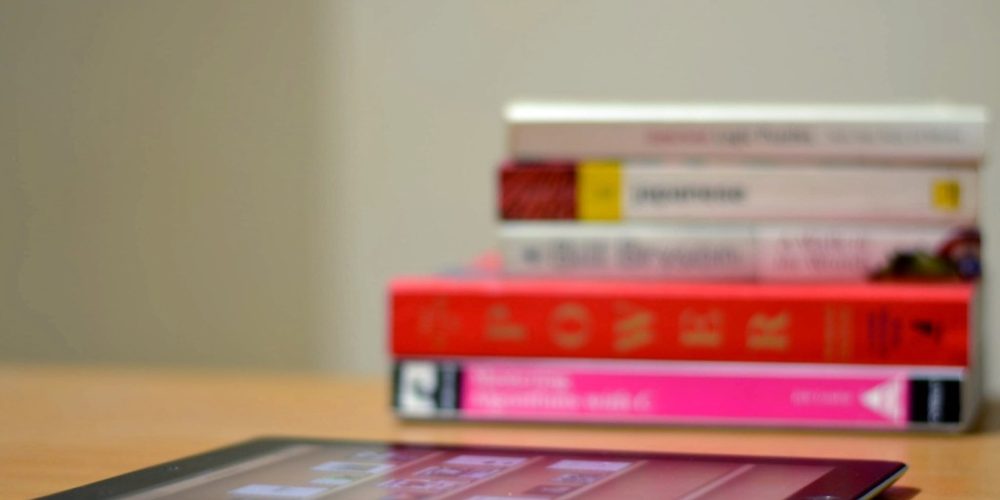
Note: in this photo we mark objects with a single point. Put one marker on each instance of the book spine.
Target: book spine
(609, 190)
(760, 252)
(852, 324)
(913, 141)
(895, 398)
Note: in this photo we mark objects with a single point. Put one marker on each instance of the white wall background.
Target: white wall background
(159, 198)
(234, 182)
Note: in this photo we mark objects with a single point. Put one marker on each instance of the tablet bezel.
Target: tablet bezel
(848, 479)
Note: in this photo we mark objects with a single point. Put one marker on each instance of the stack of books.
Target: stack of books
(800, 266)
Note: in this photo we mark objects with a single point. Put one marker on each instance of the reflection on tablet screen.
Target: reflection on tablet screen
(366, 471)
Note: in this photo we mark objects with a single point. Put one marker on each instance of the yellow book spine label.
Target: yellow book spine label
(946, 195)
(598, 190)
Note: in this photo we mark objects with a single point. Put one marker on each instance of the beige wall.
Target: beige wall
(161, 182)
(235, 182)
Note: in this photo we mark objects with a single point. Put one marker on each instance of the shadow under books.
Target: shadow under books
(989, 419)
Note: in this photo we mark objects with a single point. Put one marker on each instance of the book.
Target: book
(574, 131)
(764, 252)
(719, 190)
(732, 394)
(482, 315)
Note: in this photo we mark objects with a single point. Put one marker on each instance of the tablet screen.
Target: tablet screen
(348, 470)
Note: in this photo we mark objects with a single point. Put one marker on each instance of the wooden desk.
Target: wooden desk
(64, 426)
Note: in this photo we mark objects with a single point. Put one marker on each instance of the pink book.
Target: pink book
(652, 392)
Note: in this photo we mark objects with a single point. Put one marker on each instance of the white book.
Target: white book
(793, 191)
(714, 189)
(712, 252)
(566, 130)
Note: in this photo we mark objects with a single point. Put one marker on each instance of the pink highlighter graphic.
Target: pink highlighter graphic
(682, 394)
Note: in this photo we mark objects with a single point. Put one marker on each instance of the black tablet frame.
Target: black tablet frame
(848, 479)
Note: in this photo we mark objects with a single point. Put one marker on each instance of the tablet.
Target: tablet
(294, 468)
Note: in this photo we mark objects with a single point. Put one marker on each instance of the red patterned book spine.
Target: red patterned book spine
(537, 191)
(901, 324)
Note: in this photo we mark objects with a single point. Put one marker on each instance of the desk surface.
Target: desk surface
(65, 426)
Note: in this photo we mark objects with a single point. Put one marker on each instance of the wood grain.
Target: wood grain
(65, 426)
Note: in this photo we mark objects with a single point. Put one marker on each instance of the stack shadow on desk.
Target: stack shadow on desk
(741, 265)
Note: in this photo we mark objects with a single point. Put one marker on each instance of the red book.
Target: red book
(900, 324)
